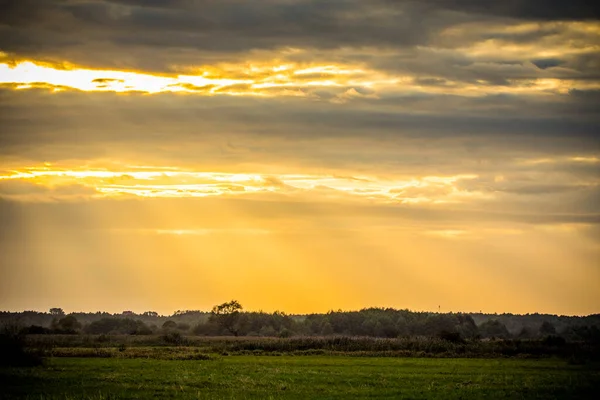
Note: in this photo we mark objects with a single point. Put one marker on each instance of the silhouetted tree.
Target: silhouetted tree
(526, 333)
(118, 326)
(57, 312)
(327, 329)
(227, 315)
(267, 330)
(182, 326)
(150, 314)
(466, 326)
(206, 329)
(547, 329)
(35, 330)
(68, 324)
(494, 328)
(169, 325)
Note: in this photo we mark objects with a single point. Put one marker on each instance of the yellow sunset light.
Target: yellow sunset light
(161, 182)
(263, 80)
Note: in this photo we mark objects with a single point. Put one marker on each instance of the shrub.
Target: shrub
(174, 338)
(35, 330)
(67, 325)
(285, 333)
(13, 351)
(169, 325)
(555, 341)
(206, 329)
(103, 338)
(118, 325)
(268, 331)
(453, 337)
(494, 329)
(182, 326)
(142, 329)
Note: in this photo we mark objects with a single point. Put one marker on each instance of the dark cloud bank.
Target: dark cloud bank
(129, 33)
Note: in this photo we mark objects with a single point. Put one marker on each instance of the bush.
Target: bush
(285, 333)
(453, 337)
(118, 326)
(555, 341)
(494, 329)
(142, 329)
(174, 338)
(103, 338)
(13, 351)
(67, 325)
(169, 325)
(35, 330)
(206, 329)
(267, 331)
(182, 326)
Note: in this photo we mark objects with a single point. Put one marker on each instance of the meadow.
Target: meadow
(299, 377)
(172, 365)
(175, 345)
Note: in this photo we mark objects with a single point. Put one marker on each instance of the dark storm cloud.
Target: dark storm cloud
(129, 33)
(545, 63)
(403, 38)
(208, 25)
(97, 121)
(526, 9)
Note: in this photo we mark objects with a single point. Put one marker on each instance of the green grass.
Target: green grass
(308, 377)
(158, 353)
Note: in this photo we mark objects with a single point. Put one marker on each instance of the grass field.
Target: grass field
(300, 377)
(388, 347)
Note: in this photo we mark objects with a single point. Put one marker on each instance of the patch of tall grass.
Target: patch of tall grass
(414, 346)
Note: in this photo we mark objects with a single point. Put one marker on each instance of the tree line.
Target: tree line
(229, 319)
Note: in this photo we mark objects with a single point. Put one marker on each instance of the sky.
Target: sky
(300, 155)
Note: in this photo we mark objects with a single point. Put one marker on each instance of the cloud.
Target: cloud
(547, 63)
(402, 114)
(543, 158)
(524, 9)
(462, 40)
(27, 191)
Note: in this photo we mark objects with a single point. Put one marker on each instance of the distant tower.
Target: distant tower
(439, 309)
